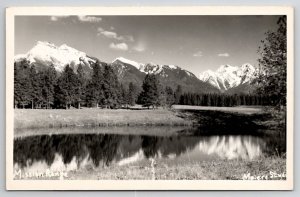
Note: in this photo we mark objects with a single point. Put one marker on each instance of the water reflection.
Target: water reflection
(73, 151)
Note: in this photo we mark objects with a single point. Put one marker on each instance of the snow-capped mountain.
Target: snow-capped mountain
(45, 54)
(149, 68)
(171, 75)
(227, 77)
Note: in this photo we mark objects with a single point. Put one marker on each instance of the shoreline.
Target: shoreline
(92, 117)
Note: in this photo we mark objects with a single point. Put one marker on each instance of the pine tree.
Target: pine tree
(123, 96)
(111, 88)
(170, 98)
(178, 94)
(132, 94)
(94, 89)
(150, 93)
(68, 84)
(82, 84)
(22, 84)
(48, 80)
(35, 90)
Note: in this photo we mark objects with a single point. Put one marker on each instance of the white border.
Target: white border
(145, 184)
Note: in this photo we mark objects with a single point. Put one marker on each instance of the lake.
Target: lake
(69, 152)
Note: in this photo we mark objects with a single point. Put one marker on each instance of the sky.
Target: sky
(195, 43)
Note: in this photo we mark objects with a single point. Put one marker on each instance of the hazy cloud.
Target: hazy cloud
(223, 55)
(198, 54)
(128, 38)
(139, 48)
(56, 18)
(83, 18)
(119, 46)
(90, 19)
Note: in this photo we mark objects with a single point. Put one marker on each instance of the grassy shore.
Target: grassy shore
(204, 170)
(164, 169)
(39, 118)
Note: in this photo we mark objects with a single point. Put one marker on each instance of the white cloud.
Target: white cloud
(110, 34)
(119, 46)
(90, 19)
(198, 54)
(223, 55)
(114, 35)
(56, 18)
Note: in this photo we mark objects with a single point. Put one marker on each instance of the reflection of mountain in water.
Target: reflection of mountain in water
(232, 147)
(74, 151)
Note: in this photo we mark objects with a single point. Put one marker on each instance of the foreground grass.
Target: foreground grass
(168, 170)
(38, 118)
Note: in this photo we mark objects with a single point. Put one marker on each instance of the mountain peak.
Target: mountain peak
(227, 76)
(127, 61)
(46, 53)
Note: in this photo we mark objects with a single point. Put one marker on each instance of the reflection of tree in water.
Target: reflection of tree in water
(168, 145)
(150, 145)
(104, 148)
(38, 148)
(32, 149)
(178, 144)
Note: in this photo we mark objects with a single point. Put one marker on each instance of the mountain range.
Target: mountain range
(226, 79)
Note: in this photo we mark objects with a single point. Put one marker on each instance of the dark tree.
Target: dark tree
(48, 80)
(94, 89)
(150, 93)
(82, 84)
(123, 98)
(111, 88)
(67, 88)
(170, 97)
(178, 94)
(22, 84)
(132, 94)
(273, 64)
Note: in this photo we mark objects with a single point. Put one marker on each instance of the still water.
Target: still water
(64, 152)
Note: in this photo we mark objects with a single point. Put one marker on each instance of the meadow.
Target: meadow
(39, 118)
(92, 117)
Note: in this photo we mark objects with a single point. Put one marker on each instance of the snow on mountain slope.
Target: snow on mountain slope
(227, 77)
(149, 68)
(127, 61)
(46, 53)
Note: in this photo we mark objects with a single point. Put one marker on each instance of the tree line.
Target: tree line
(225, 100)
(35, 88)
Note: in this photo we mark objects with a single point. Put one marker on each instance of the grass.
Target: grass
(39, 118)
(134, 130)
(58, 118)
(163, 169)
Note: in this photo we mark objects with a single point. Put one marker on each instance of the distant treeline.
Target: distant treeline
(47, 88)
(224, 100)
